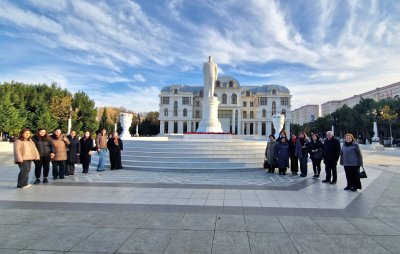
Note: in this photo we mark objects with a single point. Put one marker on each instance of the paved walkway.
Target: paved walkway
(243, 212)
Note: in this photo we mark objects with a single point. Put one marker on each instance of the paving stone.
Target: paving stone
(147, 241)
(18, 236)
(61, 238)
(336, 226)
(372, 226)
(314, 243)
(163, 221)
(264, 243)
(186, 241)
(135, 220)
(230, 243)
(299, 224)
(358, 244)
(227, 222)
(384, 212)
(255, 223)
(104, 240)
(198, 222)
(394, 223)
(391, 243)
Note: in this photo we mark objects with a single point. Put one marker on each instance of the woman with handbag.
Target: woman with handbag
(315, 149)
(270, 154)
(351, 159)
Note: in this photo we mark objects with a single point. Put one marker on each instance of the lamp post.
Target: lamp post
(375, 115)
(69, 120)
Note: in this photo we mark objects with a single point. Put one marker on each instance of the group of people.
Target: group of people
(63, 151)
(298, 149)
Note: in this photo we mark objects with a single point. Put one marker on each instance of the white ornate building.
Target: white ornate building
(243, 110)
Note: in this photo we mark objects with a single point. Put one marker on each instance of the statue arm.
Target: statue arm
(216, 72)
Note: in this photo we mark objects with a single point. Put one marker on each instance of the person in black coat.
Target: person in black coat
(45, 148)
(282, 155)
(330, 154)
(294, 163)
(74, 149)
(315, 147)
(87, 147)
(115, 147)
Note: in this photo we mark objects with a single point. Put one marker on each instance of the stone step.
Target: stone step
(193, 157)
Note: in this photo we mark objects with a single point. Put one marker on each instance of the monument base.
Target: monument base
(209, 121)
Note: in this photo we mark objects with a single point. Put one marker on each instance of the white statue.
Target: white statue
(126, 120)
(278, 121)
(210, 72)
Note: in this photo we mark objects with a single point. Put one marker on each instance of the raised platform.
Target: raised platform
(181, 154)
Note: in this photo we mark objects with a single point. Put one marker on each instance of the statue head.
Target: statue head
(210, 59)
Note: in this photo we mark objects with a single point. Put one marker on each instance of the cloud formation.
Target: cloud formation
(328, 50)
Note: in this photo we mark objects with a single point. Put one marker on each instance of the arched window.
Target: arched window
(264, 113)
(274, 92)
(273, 107)
(175, 108)
(247, 93)
(234, 99)
(217, 83)
(175, 91)
(231, 83)
(224, 99)
(184, 112)
(165, 112)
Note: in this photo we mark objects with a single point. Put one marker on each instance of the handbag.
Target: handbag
(363, 174)
(265, 164)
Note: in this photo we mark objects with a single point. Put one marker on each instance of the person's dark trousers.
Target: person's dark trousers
(294, 164)
(85, 167)
(316, 167)
(23, 175)
(353, 177)
(70, 169)
(303, 165)
(331, 171)
(271, 169)
(45, 163)
(58, 169)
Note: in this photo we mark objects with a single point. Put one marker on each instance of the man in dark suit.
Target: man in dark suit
(330, 154)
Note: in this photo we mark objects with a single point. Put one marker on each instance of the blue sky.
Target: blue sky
(123, 52)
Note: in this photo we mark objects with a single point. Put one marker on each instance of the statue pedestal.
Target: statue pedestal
(209, 121)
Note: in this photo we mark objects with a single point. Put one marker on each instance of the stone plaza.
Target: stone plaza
(139, 211)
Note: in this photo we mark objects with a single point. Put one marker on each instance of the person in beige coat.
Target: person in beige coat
(24, 153)
(60, 144)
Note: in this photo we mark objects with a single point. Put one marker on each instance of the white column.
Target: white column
(170, 127)
(287, 128)
(239, 123)
(189, 126)
(180, 127)
(259, 129)
(162, 127)
(268, 128)
(233, 122)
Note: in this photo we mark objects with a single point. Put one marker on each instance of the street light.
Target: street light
(69, 119)
(375, 115)
(137, 126)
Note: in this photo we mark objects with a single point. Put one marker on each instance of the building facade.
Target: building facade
(243, 110)
(305, 114)
(390, 91)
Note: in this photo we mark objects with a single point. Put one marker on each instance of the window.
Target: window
(231, 83)
(251, 114)
(312, 118)
(225, 114)
(186, 100)
(197, 114)
(175, 91)
(217, 83)
(197, 103)
(201, 93)
(251, 104)
(263, 101)
(165, 100)
(175, 108)
(273, 107)
(244, 114)
(224, 99)
(244, 104)
(285, 101)
(165, 112)
(234, 99)
(274, 92)
(247, 93)
(264, 113)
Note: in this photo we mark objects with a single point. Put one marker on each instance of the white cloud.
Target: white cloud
(139, 77)
(53, 5)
